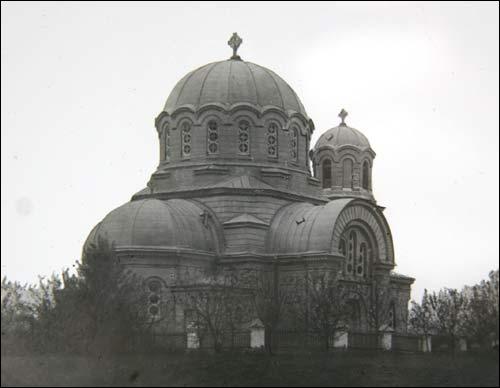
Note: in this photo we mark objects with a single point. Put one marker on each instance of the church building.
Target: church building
(238, 185)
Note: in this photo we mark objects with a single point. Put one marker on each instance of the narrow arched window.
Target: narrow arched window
(392, 316)
(327, 173)
(272, 140)
(361, 264)
(354, 315)
(244, 138)
(347, 173)
(212, 137)
(366, 175)
(351, 252)
(294, 143)
(186, 139)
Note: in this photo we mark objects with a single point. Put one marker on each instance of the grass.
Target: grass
(292, 368)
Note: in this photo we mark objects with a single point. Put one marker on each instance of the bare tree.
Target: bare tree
(269, 300)
(378, 304)
(215, 305)
(327, 305)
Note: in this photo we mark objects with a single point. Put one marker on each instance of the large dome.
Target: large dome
(232, 82)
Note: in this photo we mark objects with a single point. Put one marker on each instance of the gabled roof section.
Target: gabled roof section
(245, 220)
(244, 182)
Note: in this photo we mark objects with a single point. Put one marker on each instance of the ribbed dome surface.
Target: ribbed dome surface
(341, 136)
(175, 223)
(232, 82)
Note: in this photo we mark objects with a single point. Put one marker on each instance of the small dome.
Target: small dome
(175, 223)
(231, 82)
(342, 135)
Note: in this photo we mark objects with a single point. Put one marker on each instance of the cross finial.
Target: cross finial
(234, 43)
(343, 114)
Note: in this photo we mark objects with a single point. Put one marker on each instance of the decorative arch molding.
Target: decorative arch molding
(239, 116)
(339, 150)
(369, 160)
(227, 116)
(357, 150)
(357, 211)
(203, 120)
(348, 155)
(149, 279)
(258, 111)
(294, 122)
(326, 155)
(175, 123)
(272, 117)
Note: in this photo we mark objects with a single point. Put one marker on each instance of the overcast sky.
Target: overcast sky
(82, 84)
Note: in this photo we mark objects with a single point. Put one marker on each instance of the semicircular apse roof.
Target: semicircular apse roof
(152, 223)
(303, 227)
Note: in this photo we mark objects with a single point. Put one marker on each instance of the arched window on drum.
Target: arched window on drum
(347, 173)
(294, 144)
(154, 290)
(165, 139)
(244, 137)
(272, 140)
(212, 137)
(327, 173)
(186, 139)
(366, 175)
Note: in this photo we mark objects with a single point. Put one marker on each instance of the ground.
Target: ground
(255, 369)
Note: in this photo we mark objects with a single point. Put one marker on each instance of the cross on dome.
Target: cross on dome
(343, 114)
(234, 43)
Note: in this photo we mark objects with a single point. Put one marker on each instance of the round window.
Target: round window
(154, 286)
(154, 310)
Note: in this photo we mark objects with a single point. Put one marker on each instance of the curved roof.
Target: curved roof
(303, 227)
(153, 223)
(342, 135)
(233, 82)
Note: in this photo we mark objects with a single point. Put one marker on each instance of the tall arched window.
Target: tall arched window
(294, 143)
(366, 175)
(327, 173)
(272, 140)
(186, 139)
(347, 173)
(244, 138)
(212, 137)
(354, 317)
(392, 316)
(361, 264)
(351, 252)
